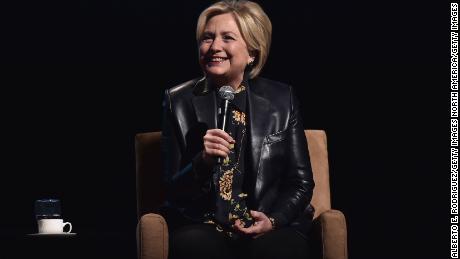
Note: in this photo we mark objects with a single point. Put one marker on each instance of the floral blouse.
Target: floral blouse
(228, 178)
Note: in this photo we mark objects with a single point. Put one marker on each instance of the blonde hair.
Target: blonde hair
(253, 23)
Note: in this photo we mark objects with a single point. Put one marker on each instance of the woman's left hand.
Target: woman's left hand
(261, 224)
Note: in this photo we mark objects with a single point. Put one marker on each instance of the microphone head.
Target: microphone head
(226, 92)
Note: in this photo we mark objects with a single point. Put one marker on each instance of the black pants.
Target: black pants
(204, 241)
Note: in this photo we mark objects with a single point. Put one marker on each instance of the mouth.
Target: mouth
(215, 60)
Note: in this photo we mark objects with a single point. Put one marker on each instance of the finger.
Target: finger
(219, 132)
(256, 214)
(250, 230)
(216, 139)
(216, 152)
(222, 134)
(213, 149)
(242, 229)
(217, 146)
(239, 226)
(237, 222)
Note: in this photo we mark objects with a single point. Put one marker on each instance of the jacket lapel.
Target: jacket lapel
(205, 104)
(258, 110)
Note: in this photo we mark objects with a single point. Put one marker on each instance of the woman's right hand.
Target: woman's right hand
(216, 143)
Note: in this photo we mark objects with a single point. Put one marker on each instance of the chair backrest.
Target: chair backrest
(150, 191)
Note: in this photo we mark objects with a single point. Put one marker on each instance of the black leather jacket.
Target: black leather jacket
(277, 156)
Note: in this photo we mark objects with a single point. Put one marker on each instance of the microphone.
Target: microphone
(226, 93)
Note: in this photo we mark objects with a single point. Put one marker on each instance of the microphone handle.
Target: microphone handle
(224, 124)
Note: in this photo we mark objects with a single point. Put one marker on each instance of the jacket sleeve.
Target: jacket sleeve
(296, 188)
(185, 176)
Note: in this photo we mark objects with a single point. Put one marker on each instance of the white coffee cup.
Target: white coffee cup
(53, 226)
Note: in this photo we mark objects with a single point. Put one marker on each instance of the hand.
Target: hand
(261, 225)
(216, 143)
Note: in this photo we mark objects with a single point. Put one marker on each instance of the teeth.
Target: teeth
(217, 59)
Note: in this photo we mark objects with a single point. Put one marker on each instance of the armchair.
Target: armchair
(329, 232)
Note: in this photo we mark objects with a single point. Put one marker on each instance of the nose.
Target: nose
(216, 45)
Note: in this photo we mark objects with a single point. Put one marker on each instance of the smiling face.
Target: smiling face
(223, 51)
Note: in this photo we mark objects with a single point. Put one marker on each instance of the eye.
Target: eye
(228, 37)
(206, 38)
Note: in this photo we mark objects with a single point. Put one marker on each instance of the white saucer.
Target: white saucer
(53, 234)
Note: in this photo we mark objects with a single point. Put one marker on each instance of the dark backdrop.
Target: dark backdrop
(80, 79)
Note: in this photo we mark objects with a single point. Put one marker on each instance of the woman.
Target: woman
(255, 202)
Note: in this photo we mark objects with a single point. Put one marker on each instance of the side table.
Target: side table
(50, 246)
(85, 244)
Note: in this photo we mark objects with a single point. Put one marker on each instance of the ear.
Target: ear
(252, 56)
(251, 60)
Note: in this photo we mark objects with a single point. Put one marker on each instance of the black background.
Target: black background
(81, 78)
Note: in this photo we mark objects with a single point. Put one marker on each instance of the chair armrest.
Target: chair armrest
(152, 237)
(330, 235)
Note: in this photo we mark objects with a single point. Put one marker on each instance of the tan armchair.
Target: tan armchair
(329, 232)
